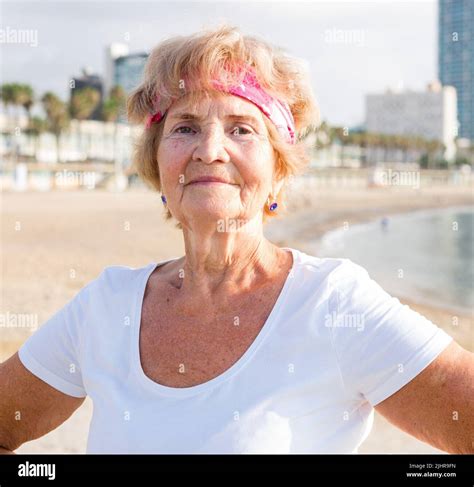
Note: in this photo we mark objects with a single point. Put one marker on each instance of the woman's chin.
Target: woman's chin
(211, 213)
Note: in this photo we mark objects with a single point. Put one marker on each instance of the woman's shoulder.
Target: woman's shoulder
(119, 274)
(116, 278)
(336, 270)
(326, 280)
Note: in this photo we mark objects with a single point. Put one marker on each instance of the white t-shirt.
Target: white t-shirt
(335, 345)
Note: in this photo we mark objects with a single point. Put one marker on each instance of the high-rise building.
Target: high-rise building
(122, 68)
(129, 70)
(112, 53)
(456, 57)
(431, 114)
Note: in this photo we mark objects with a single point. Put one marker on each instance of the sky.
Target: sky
(351, 48)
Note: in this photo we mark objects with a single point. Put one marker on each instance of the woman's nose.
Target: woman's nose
(211, 145)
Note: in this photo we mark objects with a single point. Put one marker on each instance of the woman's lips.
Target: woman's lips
(209, 181)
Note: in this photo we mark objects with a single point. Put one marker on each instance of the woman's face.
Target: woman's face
(224, 137)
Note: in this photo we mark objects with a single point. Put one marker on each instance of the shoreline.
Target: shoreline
(308, 229)
(418, 297)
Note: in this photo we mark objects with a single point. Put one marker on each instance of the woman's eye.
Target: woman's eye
(179, 128)
(236, 129)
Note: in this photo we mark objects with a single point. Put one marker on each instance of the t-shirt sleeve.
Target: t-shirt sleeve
(54, 352)
(381, 344)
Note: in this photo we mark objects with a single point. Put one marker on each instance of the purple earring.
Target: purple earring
(273, 206)
(163, 198)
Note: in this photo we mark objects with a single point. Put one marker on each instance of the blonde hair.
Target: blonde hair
(198, 59)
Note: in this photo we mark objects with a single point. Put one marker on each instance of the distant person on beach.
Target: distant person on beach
(238, 346)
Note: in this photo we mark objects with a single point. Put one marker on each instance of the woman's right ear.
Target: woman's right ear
(139, 105)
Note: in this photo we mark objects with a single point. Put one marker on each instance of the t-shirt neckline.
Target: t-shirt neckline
(233, 369)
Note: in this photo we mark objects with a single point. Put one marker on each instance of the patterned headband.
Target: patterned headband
(277, 111)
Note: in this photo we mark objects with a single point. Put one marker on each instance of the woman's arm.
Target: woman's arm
(437, 406)
(4, 451)
(29, 408)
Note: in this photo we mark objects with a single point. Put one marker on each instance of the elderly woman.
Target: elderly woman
(238, 346)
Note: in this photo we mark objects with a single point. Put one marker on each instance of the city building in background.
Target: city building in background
(122, 68)
(456, 57)
(112, 53)
(90, 80)
(431, 114)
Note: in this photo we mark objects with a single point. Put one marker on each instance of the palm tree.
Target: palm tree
(340, 134)
(112, 110)
(7, 95)
(417, 144)
(371, 142)
(402, 142)
(57, 117)
(361, 139)
(14, 95)
(406, 142)
(25, 98)
(19, 96)
(36, 127)
(82, 104)
(323, 136)
(382, 147)
(433, 147)
(316, 138)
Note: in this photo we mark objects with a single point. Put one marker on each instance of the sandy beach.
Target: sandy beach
(54, 243)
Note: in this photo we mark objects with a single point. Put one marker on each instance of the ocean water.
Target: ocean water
(427, 256)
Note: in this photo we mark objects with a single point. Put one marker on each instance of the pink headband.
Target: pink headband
(277, 111)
